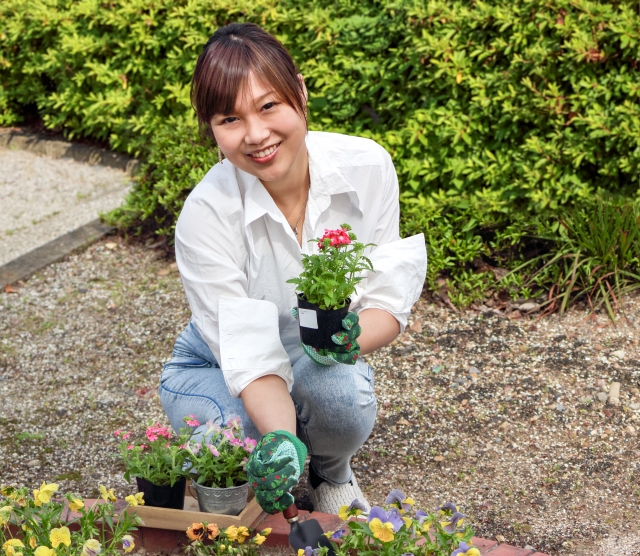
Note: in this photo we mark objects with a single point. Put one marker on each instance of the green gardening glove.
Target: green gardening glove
(274, 468)
(347, 349)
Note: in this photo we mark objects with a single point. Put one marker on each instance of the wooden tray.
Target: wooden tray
(179, 520)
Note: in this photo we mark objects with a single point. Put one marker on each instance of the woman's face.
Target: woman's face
(264, 136)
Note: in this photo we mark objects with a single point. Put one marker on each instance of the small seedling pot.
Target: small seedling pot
(318, 325)
(163, 496)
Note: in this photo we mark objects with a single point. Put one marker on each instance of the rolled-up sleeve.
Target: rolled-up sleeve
(400, 265)
(242, 333)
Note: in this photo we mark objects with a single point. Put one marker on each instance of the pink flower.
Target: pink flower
(236, 442)
(228, 434)
(151, 436)
(192, 421)
(336, 238)
(250, 444)
(155, 431)
(143, 446)
(116, 433)
(130, 447)
(234, 422)
(125, 435)
(213, 450)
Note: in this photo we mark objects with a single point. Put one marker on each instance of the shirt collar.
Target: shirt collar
(326, 180)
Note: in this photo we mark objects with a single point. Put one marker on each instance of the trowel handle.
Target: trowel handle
(291, 513)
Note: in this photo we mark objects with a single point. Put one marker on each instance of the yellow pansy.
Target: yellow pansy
(231, 532)
(300, 551)
(407, 521)
(44, 551)
(259, 539)
(5, 513)
(266, 531)
(12, 543)
(75, 504)
(473, 552)
(381, 531)
(127, 543)
(60, 535)
(33, 542)
(243, 533)
(44, 493)
(91, 548)
(342, 513)
(107, 495)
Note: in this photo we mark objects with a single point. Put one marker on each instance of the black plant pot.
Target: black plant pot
(316, 331)
(163, 496)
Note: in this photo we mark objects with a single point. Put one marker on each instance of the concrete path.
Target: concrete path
(43, 198)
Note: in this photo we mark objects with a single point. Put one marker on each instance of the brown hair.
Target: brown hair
(225, 62)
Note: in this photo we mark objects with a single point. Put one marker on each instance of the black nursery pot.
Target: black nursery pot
(163, 496)
(328, 321)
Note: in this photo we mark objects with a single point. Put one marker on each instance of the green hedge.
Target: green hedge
(498, 114)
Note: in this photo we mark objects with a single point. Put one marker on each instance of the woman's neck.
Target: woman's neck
(290, 190)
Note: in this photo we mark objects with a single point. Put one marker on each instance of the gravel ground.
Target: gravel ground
(500, 415)
(43, 198)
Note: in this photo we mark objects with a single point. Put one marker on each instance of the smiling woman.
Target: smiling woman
(242, 234)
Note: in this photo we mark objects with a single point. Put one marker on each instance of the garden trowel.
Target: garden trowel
(306, 533)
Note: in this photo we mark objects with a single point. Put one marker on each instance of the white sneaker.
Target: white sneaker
(328, 498)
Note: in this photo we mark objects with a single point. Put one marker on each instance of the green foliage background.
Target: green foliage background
(498, 114)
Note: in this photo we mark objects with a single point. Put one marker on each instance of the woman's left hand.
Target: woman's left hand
(347, 349)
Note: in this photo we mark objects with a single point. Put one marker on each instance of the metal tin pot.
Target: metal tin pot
(227, 501)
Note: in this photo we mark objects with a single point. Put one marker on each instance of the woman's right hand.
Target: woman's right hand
(274, 468)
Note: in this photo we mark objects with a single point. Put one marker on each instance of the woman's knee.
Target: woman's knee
(336, 401)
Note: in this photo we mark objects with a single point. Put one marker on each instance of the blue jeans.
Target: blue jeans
(335, 406)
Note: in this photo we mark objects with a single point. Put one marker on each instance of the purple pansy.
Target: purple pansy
(392, 516)
(451, 528)
(448, 507)
(357, 505)
(337, 534)
(421, 515)
(462, 549)
(397, 497)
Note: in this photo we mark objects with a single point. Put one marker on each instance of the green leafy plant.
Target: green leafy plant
(597, 257)
(32, 525)
(159, 457)
(329, 277)
(219, 459)
(396, 529)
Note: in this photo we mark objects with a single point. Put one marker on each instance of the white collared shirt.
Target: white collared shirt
(235, 251)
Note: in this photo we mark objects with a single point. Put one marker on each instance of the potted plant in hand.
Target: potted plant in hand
(326, 284)
(218, 462)
(158, 463)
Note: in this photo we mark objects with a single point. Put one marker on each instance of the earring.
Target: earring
(219, 155)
